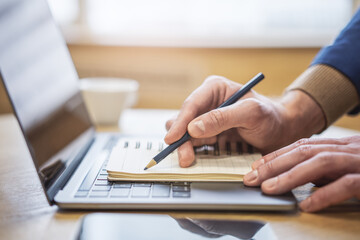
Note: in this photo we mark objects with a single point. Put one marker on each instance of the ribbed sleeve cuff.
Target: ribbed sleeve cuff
(335, 93)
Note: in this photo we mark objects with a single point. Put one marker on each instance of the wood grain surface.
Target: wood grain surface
(26, 214)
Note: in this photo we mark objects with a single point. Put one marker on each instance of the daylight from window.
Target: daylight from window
(204, 23)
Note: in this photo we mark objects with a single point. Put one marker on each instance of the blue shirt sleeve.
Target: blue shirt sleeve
(344, 54)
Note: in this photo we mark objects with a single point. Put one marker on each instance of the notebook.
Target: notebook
(130, 156)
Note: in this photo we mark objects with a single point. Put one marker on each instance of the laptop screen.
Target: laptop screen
(42, 85)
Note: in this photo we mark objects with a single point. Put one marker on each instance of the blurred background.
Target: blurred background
(171, 46)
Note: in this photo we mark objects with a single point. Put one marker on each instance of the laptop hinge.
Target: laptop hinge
(74, 161)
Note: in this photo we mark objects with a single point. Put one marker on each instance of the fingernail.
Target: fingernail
(251, 176)
(258, 163)
(306, 204)
(270, 183)
(197, 128)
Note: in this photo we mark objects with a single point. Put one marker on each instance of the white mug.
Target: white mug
(106, 98)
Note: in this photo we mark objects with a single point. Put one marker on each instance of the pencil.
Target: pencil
(236, 96)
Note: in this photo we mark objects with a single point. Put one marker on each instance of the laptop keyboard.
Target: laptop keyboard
(96, 185)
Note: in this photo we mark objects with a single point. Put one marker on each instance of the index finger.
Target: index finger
(204, 98)
(302, 142)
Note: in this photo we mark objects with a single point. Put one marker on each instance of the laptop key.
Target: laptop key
(102, 183)
(120, 192)
(142, 184)
(181, 189)
(181, 194)
(140, 191)
(102, 177)
(101, 188)
(161, 190)
(122, 185)
(98, 194)
(178, 183)
(81, 194)
(181, 184)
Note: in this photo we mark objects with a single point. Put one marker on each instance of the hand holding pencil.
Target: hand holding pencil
(266, 124)
(186, 137)
(255, 119)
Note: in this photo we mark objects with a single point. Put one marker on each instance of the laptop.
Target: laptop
(69, 155)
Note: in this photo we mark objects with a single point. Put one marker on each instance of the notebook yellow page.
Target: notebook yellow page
(130, 156)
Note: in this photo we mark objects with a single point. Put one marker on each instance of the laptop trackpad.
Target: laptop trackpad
(237, 193)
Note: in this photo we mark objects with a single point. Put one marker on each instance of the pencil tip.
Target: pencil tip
(150, 164)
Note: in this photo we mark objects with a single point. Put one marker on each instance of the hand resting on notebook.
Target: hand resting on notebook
(334, 163)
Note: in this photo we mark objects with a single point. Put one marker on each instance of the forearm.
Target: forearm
(329, 89)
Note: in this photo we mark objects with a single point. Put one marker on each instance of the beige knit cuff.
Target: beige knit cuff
(334, 92)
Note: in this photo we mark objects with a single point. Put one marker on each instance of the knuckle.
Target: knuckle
(353, 148)
(301, 142)
(189, 106)
(345, 140)
(290, 175)
(350, 140)
(324, 159)
(187, 102)
(274, 154)
(258, 109)
(270, 166)
(217, 118)
(190, 100)
(254, 104)
(350, 182)
(214, 79)
(304, 149)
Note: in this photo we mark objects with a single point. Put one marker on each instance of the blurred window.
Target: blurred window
(203, 23)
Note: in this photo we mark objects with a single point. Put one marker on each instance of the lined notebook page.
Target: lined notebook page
(130, 156)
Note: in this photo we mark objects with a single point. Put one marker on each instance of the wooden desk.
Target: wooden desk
(25, 213)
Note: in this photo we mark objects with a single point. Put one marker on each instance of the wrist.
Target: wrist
(303, 116)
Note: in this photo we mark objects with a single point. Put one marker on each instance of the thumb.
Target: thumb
(241, 114)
